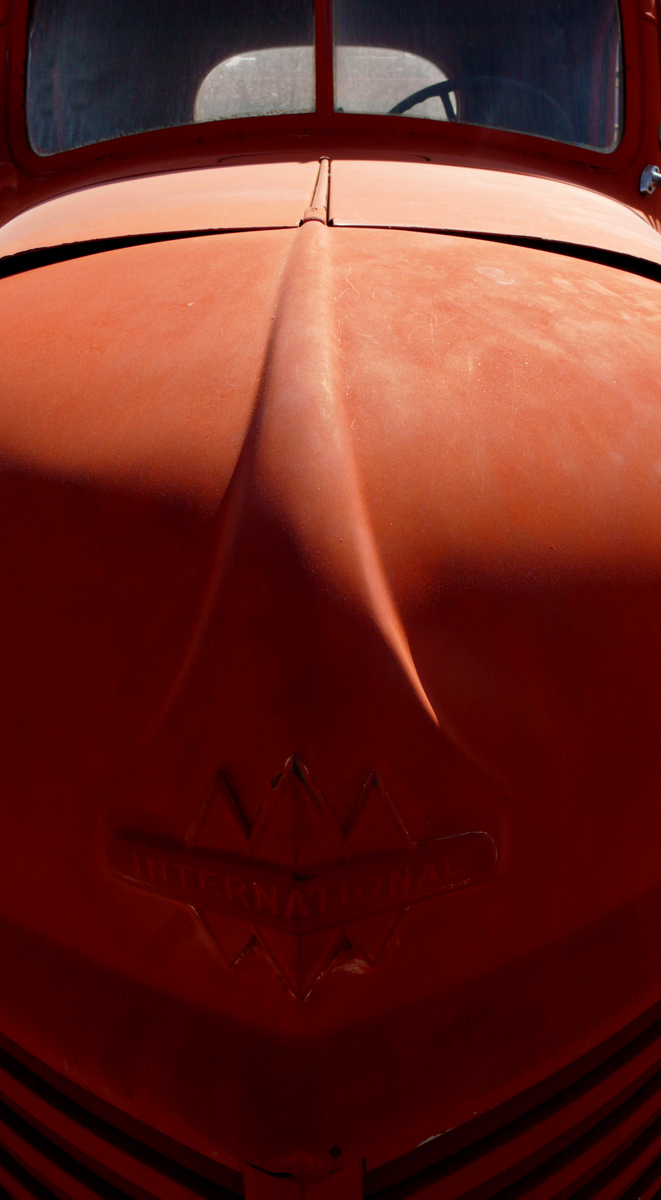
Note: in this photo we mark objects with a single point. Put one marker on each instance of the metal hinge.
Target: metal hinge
(318, 210)
(650, 179)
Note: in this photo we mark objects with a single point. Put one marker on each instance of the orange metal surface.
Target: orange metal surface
(331, 665)
(412, 376)
(466, 199)
(254, 196)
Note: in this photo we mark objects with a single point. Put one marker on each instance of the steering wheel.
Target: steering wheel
(445, 86)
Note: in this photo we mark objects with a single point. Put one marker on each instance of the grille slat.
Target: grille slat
(503, 1160)
(138, 1179)
(48, 1164)
(18, 1183)
(121, 1138)
(543, 1131)
(636, 1136)
(645, 1187)
(120, 1163)
(615, 1179)
(599, 1137)
(557, 1148)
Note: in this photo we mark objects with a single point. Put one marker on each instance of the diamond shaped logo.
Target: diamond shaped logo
(296, 883)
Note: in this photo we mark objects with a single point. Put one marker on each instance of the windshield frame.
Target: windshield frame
(365, 134)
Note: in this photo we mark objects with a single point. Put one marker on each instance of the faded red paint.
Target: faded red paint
(293, 507)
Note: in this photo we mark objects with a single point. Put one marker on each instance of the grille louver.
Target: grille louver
(598, 1136)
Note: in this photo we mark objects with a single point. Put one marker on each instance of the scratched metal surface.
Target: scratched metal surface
(246, 196)
(386, 502)
(466, 198)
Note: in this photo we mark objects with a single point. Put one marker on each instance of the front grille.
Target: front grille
(591, 1131)
(597, 1136)
(52, 1145)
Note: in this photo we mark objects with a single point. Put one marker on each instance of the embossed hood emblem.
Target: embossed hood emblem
(296, 883)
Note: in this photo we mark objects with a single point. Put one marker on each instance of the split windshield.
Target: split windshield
(546, 67)
(97, 71)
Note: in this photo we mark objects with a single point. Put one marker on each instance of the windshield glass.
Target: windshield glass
(111, 67)
(114, 67)
(547, 67)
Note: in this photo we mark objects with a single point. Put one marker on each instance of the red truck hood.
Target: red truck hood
(409, 195)
(331, 566)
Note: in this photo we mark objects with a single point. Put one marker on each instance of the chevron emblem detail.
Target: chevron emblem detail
(296, 884)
